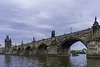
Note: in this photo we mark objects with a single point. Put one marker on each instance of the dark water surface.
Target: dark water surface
(72, 61)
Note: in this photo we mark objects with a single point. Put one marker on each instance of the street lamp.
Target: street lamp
(71, 30)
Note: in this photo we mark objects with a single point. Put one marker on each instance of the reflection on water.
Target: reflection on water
(93, 63)
(78, 61)
(72, 61)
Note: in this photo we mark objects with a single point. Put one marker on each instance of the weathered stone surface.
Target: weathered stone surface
(59, 45)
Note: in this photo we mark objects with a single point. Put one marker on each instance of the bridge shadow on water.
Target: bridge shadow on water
(62, 61)
(45, 61)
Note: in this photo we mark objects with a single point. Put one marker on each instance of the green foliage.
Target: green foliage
(78, 52)
(81, 52)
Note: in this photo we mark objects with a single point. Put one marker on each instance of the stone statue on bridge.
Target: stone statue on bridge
(96, 26)
(53, 33)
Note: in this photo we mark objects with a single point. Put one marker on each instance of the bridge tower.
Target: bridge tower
(7, 43)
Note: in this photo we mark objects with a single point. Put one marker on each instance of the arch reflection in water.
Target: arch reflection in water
(44, 61)
(7, 60)
(93, 62)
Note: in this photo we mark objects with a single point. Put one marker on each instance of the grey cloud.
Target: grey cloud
(20, 18)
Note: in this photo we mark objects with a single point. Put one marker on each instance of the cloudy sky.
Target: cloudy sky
(25, 19)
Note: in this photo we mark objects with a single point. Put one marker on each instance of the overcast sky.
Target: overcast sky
(25, 19)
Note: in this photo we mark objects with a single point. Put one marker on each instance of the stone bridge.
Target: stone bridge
(60, 45)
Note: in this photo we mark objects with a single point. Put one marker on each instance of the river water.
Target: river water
(44, 61)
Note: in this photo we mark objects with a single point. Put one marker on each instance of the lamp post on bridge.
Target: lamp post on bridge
(71, 30)
(42, 37)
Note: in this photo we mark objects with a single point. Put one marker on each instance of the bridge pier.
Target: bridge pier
(52, 50)
(64, 52)
(93, 49)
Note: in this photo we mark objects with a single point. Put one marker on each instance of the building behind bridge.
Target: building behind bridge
(8, 43)
(1, 49)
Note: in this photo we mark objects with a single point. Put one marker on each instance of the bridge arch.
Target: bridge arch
(42, 49)
(42, 46)
(64, 48)
(19, 50)
(28, 50)
(68, 42)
